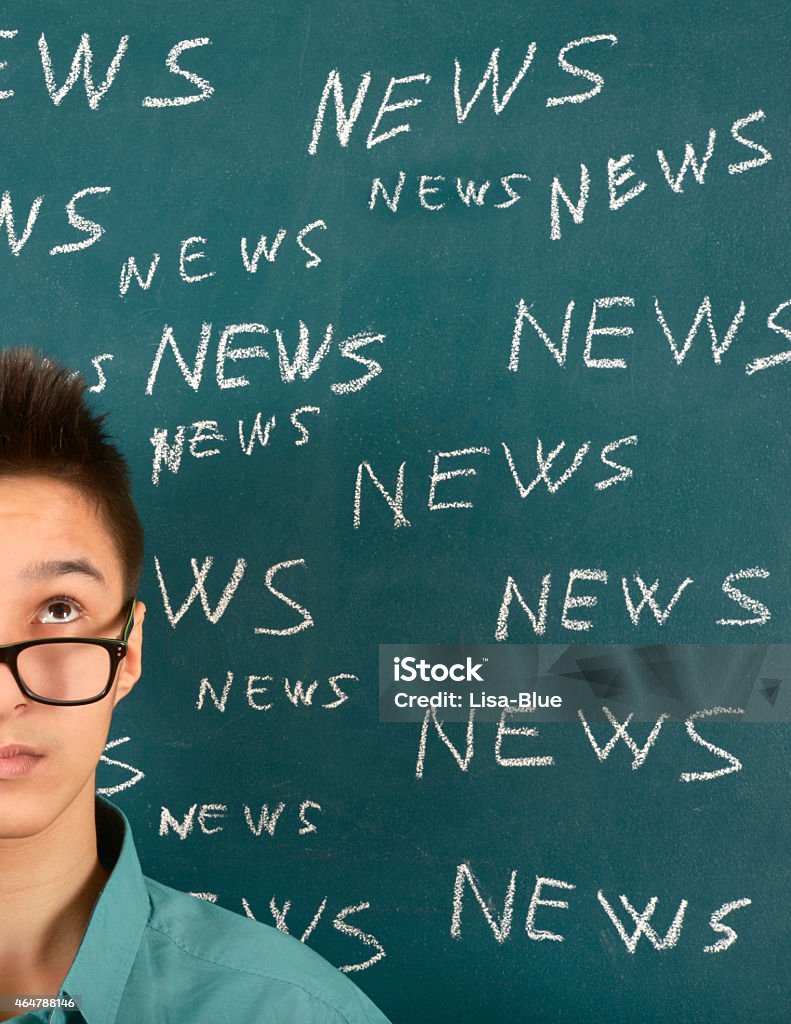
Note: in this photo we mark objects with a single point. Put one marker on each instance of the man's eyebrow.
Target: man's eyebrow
(39, 571)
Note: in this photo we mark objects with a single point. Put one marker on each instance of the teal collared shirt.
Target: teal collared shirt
(153, 955)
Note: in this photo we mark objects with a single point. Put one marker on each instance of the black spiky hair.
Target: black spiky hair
(47, 429)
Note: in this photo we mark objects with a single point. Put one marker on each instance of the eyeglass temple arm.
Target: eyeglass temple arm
(130, 619)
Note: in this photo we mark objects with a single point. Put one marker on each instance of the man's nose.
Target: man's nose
(10, 693)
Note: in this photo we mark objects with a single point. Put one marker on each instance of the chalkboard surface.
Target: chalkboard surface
(434, 324)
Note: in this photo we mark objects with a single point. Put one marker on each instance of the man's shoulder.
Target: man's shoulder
(227, 949)
(204, 929)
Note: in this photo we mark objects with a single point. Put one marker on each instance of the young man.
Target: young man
(77, 916)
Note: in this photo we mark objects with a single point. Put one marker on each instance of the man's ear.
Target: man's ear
(132, 665)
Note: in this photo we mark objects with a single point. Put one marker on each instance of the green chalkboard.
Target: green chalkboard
(437, 312)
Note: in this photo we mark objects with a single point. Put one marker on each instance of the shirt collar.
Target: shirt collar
(100, 970)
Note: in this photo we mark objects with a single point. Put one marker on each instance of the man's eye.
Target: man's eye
(60, 609)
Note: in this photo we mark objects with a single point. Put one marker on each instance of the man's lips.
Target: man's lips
(15, 749)
(17, 759)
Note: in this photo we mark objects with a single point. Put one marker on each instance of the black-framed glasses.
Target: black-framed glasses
(68, 671)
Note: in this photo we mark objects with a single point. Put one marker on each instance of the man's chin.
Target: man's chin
(28, 810)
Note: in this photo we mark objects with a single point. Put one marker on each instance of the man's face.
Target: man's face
(43, 522)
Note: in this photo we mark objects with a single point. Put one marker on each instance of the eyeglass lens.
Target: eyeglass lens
(65, 671)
